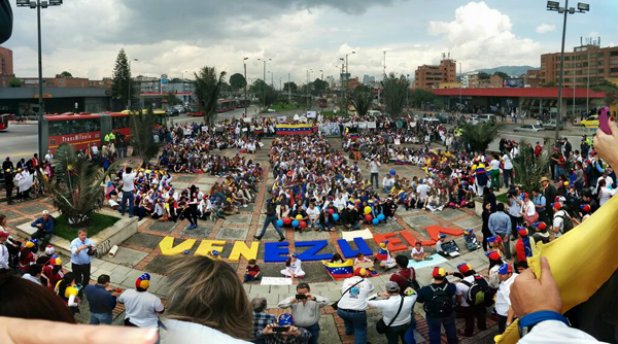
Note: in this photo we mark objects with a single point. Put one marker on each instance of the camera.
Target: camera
(301, 297)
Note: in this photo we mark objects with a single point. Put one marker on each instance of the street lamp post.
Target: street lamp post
(264, 60)
(347, 79)
(129, 88)
(38, 4)
(555, 6)
(244, 63)
(307, 87)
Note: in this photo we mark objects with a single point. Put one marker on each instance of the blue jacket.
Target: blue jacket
(48, 226)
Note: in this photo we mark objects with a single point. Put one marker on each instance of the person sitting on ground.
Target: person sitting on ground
(384, 257)
(252, 273)
(363, 266)
(418, 253)
(45, 228)
(293, 267)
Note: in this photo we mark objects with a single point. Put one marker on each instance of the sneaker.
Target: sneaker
(281, 239)
(257, 237)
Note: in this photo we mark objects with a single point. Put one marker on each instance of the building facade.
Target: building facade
(586, 63)
(431, 76)
(6, 66)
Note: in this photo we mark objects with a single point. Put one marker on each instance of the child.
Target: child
(363, 266)
(384, 257)
(439, 243)
(418, 253)
(293, 267)
(253, 271)
(472, 242)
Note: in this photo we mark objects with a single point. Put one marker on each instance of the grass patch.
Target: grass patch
(501, 198)
(280, 107)
(95, 224)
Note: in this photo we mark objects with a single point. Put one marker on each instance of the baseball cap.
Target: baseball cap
(464, 267)
(438, 272)
(505, 269)
(541, 225)
(143, 281)
(392, 287)
(493, 255)
(55, 260)
(285, 319)
(522, 231)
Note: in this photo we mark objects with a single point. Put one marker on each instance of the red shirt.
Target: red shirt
(401, 276)
(253, 270)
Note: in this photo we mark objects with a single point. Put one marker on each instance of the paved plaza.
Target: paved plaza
(142, 253)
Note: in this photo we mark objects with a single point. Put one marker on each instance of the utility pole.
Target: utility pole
(384, 65)
(244, 63)
(347, 79)
(264, 60)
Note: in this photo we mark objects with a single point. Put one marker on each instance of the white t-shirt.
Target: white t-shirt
(495, 164)
(141, 307)
(529, 208)
(503, 296)
(422, 190)
(32, 279)
(178, 331)
(417, 252)
(356, 298)
(508, 164)
(558, 222)
(313, 213)
(390, 306)
(128, 181)
(462, 290)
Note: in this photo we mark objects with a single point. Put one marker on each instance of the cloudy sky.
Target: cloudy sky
(177, 37)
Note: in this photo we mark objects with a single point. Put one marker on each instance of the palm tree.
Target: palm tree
(528, 168)
(478, 136)
(76, 187)
(207, 88)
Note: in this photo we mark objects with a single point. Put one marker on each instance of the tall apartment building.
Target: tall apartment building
(430, 76)
(585, 61)
(6, 66)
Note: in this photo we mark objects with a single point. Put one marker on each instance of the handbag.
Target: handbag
(381, 326)
(336, 304)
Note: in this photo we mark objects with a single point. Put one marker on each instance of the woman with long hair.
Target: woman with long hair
(67, 290)
(206, 300)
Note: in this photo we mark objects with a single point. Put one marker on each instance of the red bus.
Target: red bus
(225, 105)
(84, 130)
(4, 121)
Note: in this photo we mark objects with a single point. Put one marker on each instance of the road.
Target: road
(19, 141)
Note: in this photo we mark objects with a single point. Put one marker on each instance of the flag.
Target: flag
(340, 270)
(109, 188)
(295, 129)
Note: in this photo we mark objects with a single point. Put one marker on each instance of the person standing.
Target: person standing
(8, 185)
(128, 185)
(503, 300)
(306, 310)
(271, 217)
(439, 304)
(374, 170)
(82, 249)
(352, 307)
(100, 301)
(507, 168)
(405, 277)
(396, 311)
(549, 191)
(142, 308)
(465, 300)
(500, 225)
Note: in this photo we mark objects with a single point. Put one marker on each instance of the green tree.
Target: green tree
(394, 90)
(142, 127)
(290, 87)
(238, 82)
(172, 99)
(64, 74)
(503, 75)
(318, 87)
(483, 76)
(528, 168)
(76, 187)
(418, 97)
(478, 136)
(265, 93)
(122, 89)
(207, 88)
(361, 99)
(15, 83)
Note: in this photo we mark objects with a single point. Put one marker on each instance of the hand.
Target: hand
(605, 145)
(529, 294)
(268, 329)
(48, 332)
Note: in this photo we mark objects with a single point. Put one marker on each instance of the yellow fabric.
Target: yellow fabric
(581, 260)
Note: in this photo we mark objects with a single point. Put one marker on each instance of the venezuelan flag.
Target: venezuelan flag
(296, 129)
(340, 270)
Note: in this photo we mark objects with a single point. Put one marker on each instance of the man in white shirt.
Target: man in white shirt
(306, 310)
(142, 308)
(4, 251)
(469, 311)
(373, 169)
(503, 300)
(352, 307)
(507, 169)
(397, 318)
(128, 185)
(314, 214)
(422, 190)
(387, 183)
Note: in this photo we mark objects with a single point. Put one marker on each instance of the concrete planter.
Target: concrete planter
(123, 229)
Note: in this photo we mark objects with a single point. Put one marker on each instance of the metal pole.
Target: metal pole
(41, 111)
(574, 83)
(245, 76)
(347, 78)
(129, 88)
(560, 80)
(588, 83)
(307, 89)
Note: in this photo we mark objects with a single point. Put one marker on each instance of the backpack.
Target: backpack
(409, 282)
(567, 222)
(477, 291)
(441, 303)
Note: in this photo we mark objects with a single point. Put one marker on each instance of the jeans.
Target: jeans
(315, 332)
(508, 177)
(270, 219)
(395, 333)
(374, 176)
(435, 324)
(127, 196)
(501, 323)
(470, 313)
(100, 318)
(355, 324)
(82, 273)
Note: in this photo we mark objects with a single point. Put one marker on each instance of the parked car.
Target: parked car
(431, 120)
(551, 125)
(590, 122)
(529, 128)
(486, 118)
